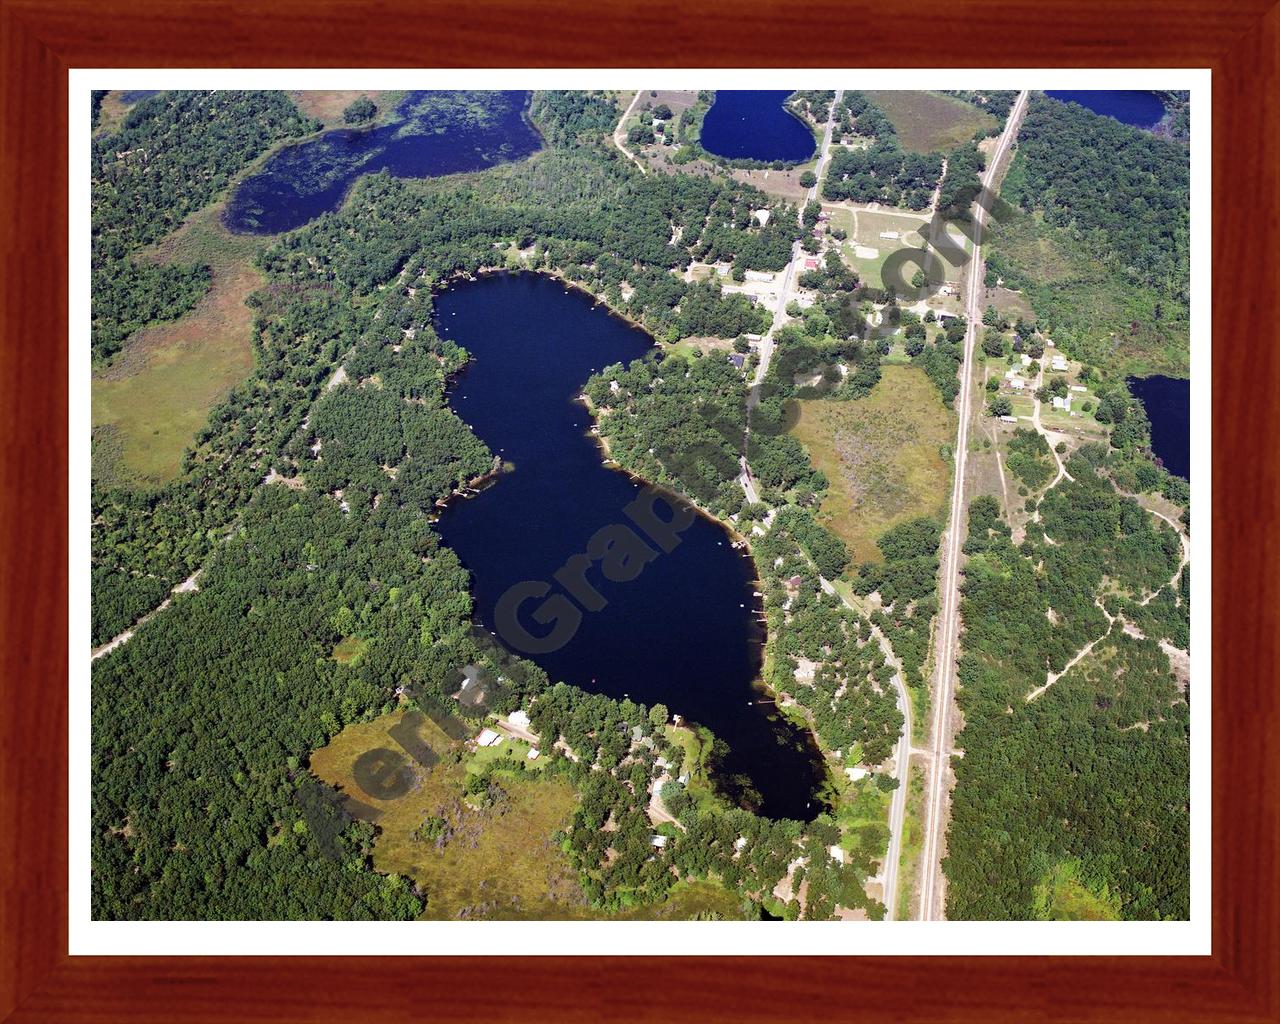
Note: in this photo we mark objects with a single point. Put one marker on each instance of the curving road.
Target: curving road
(932, 905)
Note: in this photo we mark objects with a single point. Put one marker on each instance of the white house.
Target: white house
(762, 216)
(658, 841)
(1026, 359)
(487, 738)
(1062, 403)
(533, 753)
(837, 854)
(519, 719)
(856, 773)
(1017, 383)
(1059, 363)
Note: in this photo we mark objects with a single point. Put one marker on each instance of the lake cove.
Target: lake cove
(1132, 106)
(1167, 401)
(747, 124)
(683, 631)
(429, 134)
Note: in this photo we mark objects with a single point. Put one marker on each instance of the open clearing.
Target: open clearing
(157, 393)
(927, 122)
(499, 862)
(882, 456)
(327, 105)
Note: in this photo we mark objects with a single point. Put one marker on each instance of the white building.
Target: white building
(856, 773)
(519, 719)
(487, 738)
(837, 854)
(1017, 383)
(1059, 363)
(1062, 403)
(533, 753)
(1009, 419)
(1079, 387)
(658, 841)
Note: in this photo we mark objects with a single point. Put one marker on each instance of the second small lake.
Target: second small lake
(1132, 106)
(430, 134)
(685, 632)
(753, 124)
(1167, 401)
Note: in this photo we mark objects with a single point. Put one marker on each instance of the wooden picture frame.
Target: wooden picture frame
(42, 39)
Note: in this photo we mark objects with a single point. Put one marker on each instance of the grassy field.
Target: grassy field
(1062, 896)
(881, 456)
(159, 390)
(927, 121)
(327, 105)
(1094, 312)
(500, 862)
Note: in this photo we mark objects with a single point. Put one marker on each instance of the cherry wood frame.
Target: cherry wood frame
(41, 39)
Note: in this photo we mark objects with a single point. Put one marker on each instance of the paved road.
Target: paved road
(932, 885)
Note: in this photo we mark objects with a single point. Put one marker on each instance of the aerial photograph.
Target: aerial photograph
(657, 505)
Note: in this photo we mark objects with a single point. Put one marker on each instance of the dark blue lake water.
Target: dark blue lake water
(432, 133)
(754, 125)
(1168, 404)
(685, 631)
(1140, 109)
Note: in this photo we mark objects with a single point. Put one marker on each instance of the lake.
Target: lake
(684, 632)
(754, 125)
(430, 134)
(1135, 107)
(1168, 404)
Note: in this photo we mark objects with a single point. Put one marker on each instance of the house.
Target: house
(837, 854)
(519, 719)
(762, 216)
(1026, 359)
(856, 773)
(810, 264)
(1059, 363)
(657, 841)
(1017, 383)
(683, 779)
(759, 275)
(533, 753)
(889, 234)
(1079, 387)
(487, 738)
(795, 581)
(1062, 403)
(737, 359)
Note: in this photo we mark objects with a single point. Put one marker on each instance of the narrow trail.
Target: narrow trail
(901, 761)
(620, 138)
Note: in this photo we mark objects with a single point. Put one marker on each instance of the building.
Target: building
(740, 842)
(856, 773)
(533, 754)
(1017, 383)
(738, 359)
(810, 264)
(1026, 359)
(1062, 403)
(1079, 387)
(762, 216)
(837, 854)
(519, 719)
(1058, 363)
(658, 841)
(487, 738)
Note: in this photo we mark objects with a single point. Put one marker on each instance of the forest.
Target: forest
(1094, 771)
(1103, 254)
(173, 153)
(882, 172)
